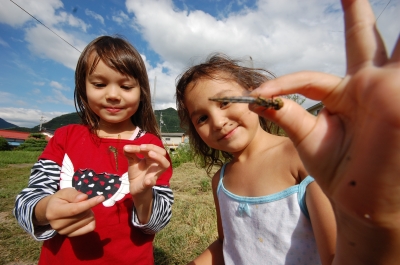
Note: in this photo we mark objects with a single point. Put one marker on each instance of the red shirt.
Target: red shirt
(115, 240)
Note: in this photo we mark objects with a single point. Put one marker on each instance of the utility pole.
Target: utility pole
(161, 121)
(41, 121)
(154, 93)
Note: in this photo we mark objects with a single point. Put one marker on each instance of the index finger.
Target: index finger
(313, 85)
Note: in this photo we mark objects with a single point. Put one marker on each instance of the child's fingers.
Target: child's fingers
(155, 153)
(77, 225)
(71, 205)
(83, 230)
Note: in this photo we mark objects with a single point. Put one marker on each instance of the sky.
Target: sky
(39, 50)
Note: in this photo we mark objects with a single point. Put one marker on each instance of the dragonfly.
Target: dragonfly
(275, 103)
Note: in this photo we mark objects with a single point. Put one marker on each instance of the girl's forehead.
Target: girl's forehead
(213, 87)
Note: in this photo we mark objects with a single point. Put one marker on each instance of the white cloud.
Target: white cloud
(72, 21)
(94, 15)
(61, 98)
(36, 91)
(282, 36)
(120, 17)
(59, 86)
(43, 10)
(39, 38)
(56, 85)
(26, 117)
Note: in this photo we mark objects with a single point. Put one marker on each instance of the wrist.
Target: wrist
(143, 197)
(39, 212)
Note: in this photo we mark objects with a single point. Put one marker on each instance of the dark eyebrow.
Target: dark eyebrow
(223, 93)
(193, 114)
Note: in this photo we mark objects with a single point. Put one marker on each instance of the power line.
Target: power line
(46, 26)
(382, 11)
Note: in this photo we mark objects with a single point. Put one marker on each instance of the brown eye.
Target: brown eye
(201, 119)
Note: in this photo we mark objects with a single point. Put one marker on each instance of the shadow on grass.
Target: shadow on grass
(162, 258)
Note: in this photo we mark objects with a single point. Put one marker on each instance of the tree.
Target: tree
(35, 142)
(4, 146)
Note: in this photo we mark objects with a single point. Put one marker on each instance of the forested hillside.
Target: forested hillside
(169, 117)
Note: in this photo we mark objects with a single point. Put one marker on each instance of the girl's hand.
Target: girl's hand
(145, 169)
(68, 211)
(352, 148)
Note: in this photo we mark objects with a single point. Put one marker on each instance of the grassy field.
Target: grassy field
(191, 230)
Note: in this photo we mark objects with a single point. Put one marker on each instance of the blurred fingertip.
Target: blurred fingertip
(81, 196)
(127, 148)
(100, 199)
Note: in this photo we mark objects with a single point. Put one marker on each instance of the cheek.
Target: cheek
(204, 134)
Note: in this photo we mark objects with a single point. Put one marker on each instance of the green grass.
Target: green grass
(18, 157)
(191, 230)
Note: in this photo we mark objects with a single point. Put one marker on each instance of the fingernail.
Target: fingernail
(80, 196)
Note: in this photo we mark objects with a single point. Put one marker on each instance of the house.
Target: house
(173, 140)
(170, 140)
(315, 109)
(15, 138)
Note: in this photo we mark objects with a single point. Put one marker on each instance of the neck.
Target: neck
(116, 130)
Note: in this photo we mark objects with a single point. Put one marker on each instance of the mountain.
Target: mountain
(6, 125)
(170, 122)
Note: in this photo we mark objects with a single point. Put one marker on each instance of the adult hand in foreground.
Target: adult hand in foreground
(352, 148)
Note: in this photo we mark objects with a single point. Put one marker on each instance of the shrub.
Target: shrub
(181, 155)
(35, 142)
(4, 146)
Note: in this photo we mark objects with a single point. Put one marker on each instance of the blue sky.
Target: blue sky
(37, 66)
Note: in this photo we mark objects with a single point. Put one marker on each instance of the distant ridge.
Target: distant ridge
(171, 123)
(6, 125)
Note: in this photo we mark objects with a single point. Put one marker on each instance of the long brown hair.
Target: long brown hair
(121, 56)
(217, 66)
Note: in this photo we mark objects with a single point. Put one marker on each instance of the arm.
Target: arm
(161, 211)
(213, 254)
(43, 182)
(323, 222)
(143, 174)
(355, 139)
(42, 210)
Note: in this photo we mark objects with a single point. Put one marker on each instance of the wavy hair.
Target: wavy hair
(120, 55)
(216, 67)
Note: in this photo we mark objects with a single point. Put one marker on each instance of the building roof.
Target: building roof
(8, 134)
(14, 134)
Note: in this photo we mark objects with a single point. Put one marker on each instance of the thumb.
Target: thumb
(292, 118)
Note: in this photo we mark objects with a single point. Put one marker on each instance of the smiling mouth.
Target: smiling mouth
(227, 135)
(113, 110)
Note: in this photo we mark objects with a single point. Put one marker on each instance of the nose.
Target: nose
(218, 121)
(113, 92)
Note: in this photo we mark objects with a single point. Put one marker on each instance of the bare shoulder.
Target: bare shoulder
(287, 147)
(289, 151)
(215, 180)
